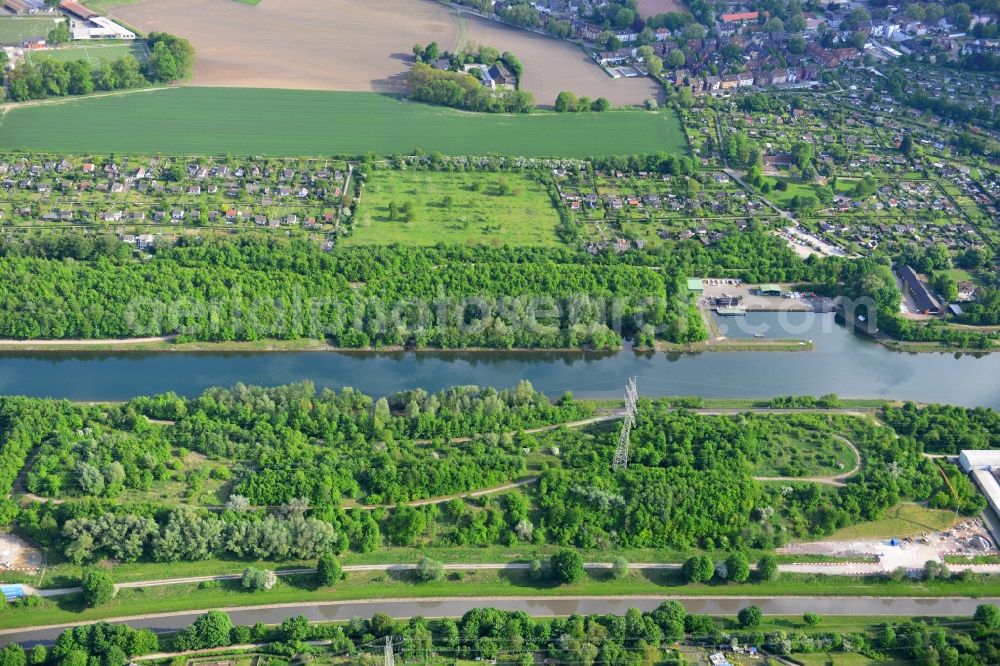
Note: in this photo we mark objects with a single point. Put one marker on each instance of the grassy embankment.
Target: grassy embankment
(188, 121)
(906, 519)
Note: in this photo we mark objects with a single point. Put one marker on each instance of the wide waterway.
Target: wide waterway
(842, 363)
(546, 606)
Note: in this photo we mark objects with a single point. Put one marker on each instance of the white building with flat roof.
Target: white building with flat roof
(983, 467)
(976, 459)
(98, 27)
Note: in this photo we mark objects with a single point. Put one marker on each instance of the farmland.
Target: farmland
(295, 41)
(14, 30)
(466, 207)
(291, 123)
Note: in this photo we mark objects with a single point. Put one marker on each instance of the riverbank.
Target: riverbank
(170, 343)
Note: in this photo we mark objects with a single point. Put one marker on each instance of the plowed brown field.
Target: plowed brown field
(359, 45)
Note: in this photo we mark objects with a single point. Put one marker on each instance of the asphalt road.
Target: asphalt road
(536, 606)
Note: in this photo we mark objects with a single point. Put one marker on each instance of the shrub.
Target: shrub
(750, 617)
(428, 570)
(811, 619)
(240, 634)
(698, 569)
(567, 566)
(98, 588)
(619, 568)
(767, 567)
(737, 568)
(255, 579)
(328, 570)
(987, 616)
(536, 571)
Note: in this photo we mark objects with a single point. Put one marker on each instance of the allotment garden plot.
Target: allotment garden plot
(155, 192)
(647, 208)
(429, 207)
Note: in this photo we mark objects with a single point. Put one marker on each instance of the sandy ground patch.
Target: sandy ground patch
(358, 46)
(910, 553)
(654, 7)
(16, 554)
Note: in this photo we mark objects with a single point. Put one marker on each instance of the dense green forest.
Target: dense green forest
(259, 287)
(293, 469)
(514, 637)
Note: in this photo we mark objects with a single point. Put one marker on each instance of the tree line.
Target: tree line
(257, 287)
(515, 637)
(170, 59)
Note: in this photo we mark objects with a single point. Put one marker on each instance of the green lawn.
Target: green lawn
(190, 120)
(962, 275)
(902, 520)
(94, 54)
(784, 197)
(14, 30)
(449, 207)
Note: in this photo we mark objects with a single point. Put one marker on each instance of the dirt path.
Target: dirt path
(441, 499)
(617, 414)
(79, 342)
(826, 568)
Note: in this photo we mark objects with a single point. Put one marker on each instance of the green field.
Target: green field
(467, 207)
(14, 30)
(805, 453)
(299, 122)
(94, 54)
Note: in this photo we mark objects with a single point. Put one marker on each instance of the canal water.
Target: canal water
(841, 362)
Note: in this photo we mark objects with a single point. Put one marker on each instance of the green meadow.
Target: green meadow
(455, 207)
(192, 120)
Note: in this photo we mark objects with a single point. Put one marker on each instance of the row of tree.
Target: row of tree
(171, 59)
(515, 637)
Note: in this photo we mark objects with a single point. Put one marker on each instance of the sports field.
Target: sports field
(15, 30)
(467, 207)
(215, 121)
(95, 54)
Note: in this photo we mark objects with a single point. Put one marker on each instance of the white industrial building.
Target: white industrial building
(984, 466)
(98, 27)
(973, 459)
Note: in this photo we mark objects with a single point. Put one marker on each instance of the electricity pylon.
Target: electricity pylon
(621, 453)
(389, 658)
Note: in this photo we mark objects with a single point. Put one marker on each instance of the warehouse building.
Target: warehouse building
(983, 467)
(922, 298)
